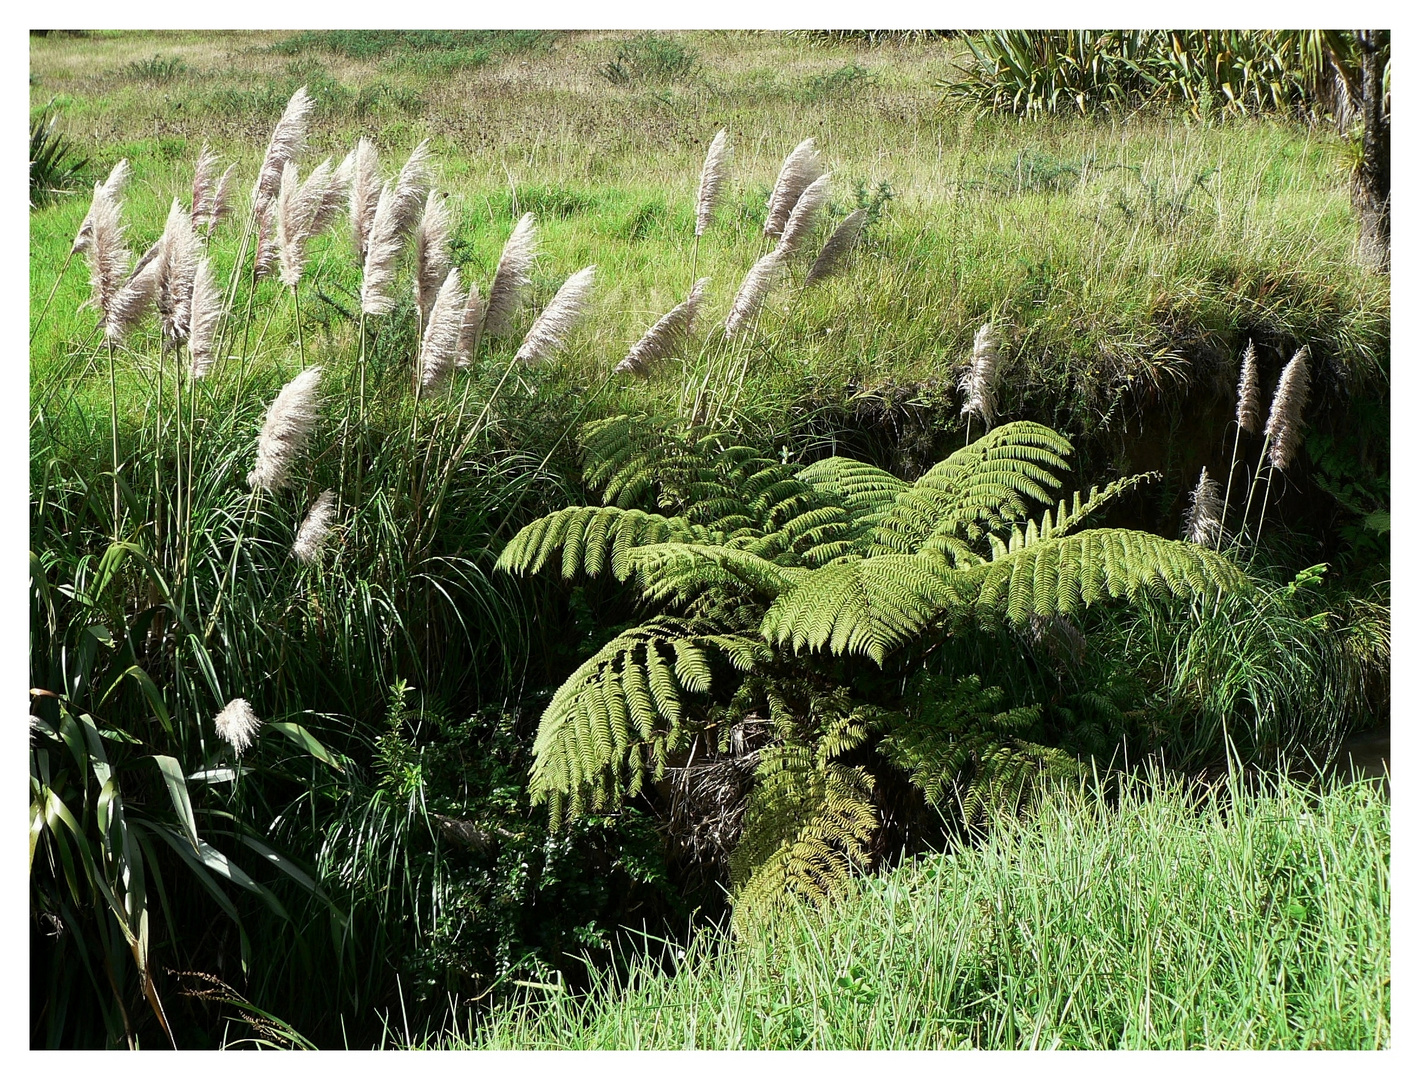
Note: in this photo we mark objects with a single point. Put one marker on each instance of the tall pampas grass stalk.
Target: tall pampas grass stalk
(800, 169)
(315, 529)
(837, 247)
(83, 238)
(1203, 523)
(439, 349)
(288, 142)
(712, 180)
(396, 215)
(288, 425)
(511, 279)
(287, 428)
(361, 170)
(431, 253)
(550, 329)
(755, 287)
(1283, 435)
(668, 334)
(237, 724)
(471, 329)
(303, 211)
(1248, 415)
(978, 382)
(801, 218)
(206, 313)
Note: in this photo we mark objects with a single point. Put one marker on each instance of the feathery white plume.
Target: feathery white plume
(510, 280)
(1249, 394)
(755, 287)
(472, 327)
(314, 530)
(440, 347)
(237, 724)
(361, 170)
(712, 178)
(206, 313)
(978, 382)
(661, 340)
(1284, 422)
(211, 195)
(108, 256)
(431, 251)
(395, 217)
(1203, 523)
(837, 246)
(264, 261)
(304, 210)
(288, 140)
(801, 220)
(550, 329)
(800, 169)
(288, 425)
(112, 188)
(174, 267)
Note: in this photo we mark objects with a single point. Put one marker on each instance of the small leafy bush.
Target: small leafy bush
(648, 57)
(838, 85)
(156, 69)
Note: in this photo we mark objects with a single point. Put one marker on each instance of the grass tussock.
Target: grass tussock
(1178, 918)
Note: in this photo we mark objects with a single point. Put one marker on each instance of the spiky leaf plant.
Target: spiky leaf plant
(753, 571)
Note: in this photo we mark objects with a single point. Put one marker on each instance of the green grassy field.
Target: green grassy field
(1126, 259)
(1172, 920)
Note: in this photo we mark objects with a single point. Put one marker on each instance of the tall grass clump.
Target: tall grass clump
(1165, 917)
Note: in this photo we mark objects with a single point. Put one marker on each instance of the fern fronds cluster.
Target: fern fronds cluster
(752, 570)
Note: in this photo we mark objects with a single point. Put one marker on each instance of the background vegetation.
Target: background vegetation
(380, 831)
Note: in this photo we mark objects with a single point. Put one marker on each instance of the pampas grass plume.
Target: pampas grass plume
(237, 724)
(304, 210)
(288, 140)
(712, 178)
(111, 189)
(801, 221)
(315, 529)
(549, 331)
(288, 425)
(1203, 523)
(978, 382)
(471, 329)
(837, 246)
(1249, 395)
(361, 171)
(394, 219)
(800, 169)
(756, 285)
(206, 313)
(431, 251)
(1284, 422)
(662, 339)
(439, 349)
(505, 295)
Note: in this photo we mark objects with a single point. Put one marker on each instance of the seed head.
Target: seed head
(978, 382)
(237, 724)
(315, 529)
(1284, 422)
(288, 426)
(1203, 523)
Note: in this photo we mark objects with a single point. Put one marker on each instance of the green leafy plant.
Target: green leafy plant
(156, 69)
(55, 161)
(648, 57)
(760, 570)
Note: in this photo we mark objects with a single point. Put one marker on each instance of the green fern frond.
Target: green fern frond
(861, 489)
(1064, 574)
(621, 712)
(983, 485)
(588, 535)
(657, 562)
(806, 832)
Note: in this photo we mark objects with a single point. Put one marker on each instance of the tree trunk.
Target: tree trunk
(1372, 196)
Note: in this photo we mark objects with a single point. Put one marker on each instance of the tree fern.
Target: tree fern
(763, 581)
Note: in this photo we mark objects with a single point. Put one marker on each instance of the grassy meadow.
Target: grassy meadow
(381, 850)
